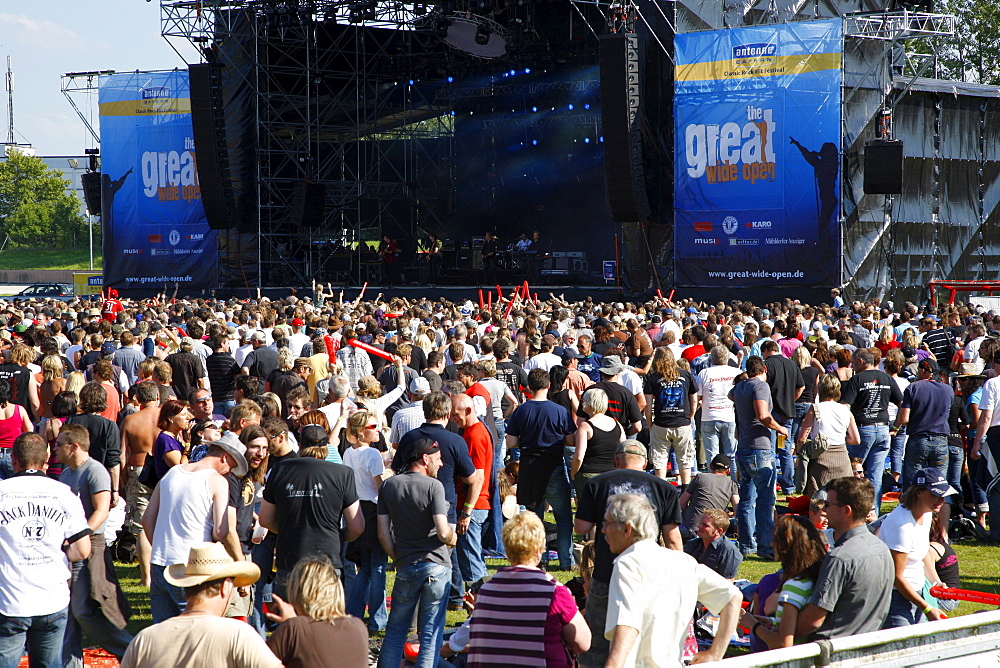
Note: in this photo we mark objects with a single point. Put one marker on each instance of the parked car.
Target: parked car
(60, 291)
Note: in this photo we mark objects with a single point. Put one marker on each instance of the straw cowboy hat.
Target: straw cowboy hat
(210, 561)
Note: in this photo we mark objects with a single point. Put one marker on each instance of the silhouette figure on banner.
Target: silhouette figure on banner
(826, 166)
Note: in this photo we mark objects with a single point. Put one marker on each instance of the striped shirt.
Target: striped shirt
(508, 625)
(795, 592)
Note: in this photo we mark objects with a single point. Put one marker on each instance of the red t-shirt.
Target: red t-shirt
(111, 309)
(691, 352)
(480, 443)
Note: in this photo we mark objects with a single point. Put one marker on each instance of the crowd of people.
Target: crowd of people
(269, 460)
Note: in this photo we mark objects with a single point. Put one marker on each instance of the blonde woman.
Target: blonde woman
(597, 440)
(368, 588)
(836, 422)
(53, 382)
(522, 591)
(315, 631)
(75, 382)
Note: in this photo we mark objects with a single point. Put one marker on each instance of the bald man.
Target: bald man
(474, 507)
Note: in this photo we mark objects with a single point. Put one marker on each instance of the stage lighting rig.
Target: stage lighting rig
(482, 35)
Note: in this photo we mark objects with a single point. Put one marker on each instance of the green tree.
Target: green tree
(971, 53)
(35, 207)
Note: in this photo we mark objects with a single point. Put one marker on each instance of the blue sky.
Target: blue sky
(48, 38)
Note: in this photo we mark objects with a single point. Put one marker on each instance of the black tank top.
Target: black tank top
(600, 455)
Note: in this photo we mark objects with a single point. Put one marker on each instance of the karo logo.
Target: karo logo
(760, 224)
(703, 226)
(196, 237)
(699, 241)
(156, 238)
(729, 225)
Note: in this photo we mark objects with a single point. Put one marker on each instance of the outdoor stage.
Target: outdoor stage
(323, 126)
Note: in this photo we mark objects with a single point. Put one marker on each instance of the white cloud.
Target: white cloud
(41, 34)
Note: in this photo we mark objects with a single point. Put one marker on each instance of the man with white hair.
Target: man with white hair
(653, 591)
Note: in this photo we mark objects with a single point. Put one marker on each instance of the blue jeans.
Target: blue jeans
(784, 457)
(755, 512)
(896, 449)
(993, 493)
(6, 464)
(421, 587)
(924, 451)
(977, 471)
(165, 600)
(470, 548)
(558, 494)
(718, 436)
(494, 526)
(263, 555)
(801, 408)
(902, 612)
(872, 451)
(956, 457)
(42, 634)
(368, 589)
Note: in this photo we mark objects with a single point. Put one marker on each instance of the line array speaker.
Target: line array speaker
(209, 128)
(91, 182)
(308, 204)
(883, 167)
(624, 174)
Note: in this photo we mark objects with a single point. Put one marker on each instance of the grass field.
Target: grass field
(75, 259)
(978, 563)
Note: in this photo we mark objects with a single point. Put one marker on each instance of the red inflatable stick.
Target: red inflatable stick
(481, 305)
(369, 349)
(950, 594)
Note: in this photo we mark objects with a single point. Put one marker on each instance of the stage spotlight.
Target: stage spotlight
(571, 107)
(586, 106)
(451, 79)
(513, 72)
(586, 140)
(527, 70)
(440, 28)
(534, 142)
(483, 36)
(535, 109)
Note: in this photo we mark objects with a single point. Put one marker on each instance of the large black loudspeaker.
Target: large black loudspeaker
(883, 167)
(624, 175)
(91, 182)
(308, 204)
(209, 125)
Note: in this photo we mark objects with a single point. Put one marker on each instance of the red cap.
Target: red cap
(298, 322)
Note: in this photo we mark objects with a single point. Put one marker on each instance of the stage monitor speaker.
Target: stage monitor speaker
(208, 124)
(624, 173)
(883, 167)
(91, 183)
(308, 204)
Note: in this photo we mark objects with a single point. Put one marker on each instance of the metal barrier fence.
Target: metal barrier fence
(962, 642)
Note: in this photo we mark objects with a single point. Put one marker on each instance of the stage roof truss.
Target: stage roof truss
(899, 25)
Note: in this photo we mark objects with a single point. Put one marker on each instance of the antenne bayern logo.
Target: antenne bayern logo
(753, 55)
(155, 97)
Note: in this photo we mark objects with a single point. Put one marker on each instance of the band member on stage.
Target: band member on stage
(536, 242)
(523, 243)
(434, 257)
(489, 251)
(389, 251)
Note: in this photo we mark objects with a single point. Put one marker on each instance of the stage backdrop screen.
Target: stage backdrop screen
(757, 160)
(155, 231)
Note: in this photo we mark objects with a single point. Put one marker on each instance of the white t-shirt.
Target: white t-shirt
(36, 515)
(714, 384)
(990, 400)
(366, 464)
(542, 361)
(631, 381)
(654, 589)
(902, 533)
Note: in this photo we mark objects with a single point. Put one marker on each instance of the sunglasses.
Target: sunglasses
(371, 426)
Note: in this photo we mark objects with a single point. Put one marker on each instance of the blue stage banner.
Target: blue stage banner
(757, 161)
(155, 231)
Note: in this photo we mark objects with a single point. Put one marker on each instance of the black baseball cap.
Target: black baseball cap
(721, 461)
